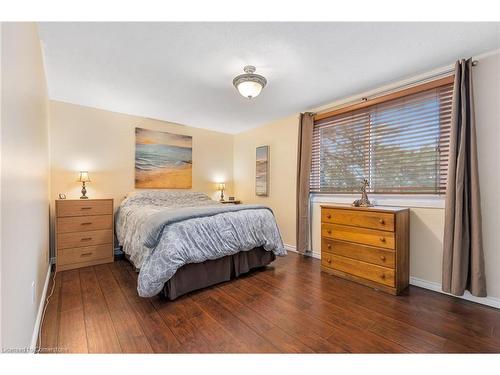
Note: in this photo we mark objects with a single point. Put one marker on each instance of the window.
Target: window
(399, 143)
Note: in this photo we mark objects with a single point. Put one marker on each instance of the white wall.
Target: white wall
(103, 143)
(1, 26)
(487, 100)
(426, 213)
(24, 182)
(281, 137)
(427, 224)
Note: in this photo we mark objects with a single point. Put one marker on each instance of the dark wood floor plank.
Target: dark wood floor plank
(316, 301)
(289, 307)
(50, 324)
(214, 334)
(232, 324)
(127, 328)
(72, 336)
(101, 335)
(350, 330)
(296, 324)
(419, 316)
(160, 337)
(272, 333)
(404, 310)
(461, 311)
(189, 336)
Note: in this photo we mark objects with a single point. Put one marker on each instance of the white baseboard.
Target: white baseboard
(436, 287)
(294, 249)
(38, 321)
(489, 301)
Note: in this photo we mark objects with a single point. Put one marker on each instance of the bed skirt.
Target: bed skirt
(196, 276)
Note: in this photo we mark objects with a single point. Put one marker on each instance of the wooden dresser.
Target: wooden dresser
(368, 245)
(84, 233)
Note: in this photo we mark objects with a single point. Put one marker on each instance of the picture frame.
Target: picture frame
(262, 171)
(163, 160)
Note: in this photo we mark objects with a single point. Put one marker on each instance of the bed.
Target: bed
(184, 241)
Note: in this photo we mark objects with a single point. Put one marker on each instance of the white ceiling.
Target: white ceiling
(182, 72)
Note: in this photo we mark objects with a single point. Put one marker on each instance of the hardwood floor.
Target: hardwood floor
(289, 307)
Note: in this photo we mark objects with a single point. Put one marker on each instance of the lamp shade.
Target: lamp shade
(249, 84)
(221, 186)
(249, 89)
(84, 177)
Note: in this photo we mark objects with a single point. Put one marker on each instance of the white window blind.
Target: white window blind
(400, 146)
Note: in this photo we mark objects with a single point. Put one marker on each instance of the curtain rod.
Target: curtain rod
(443, 73)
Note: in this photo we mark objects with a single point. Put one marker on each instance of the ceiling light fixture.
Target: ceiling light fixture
(249, 84)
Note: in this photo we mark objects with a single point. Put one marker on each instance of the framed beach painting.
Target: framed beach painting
(163, 160)
(262, 171)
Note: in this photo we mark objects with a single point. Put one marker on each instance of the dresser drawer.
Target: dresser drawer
(369, 254)
(84, 223)
(365, 219)
(83, 254)
(84, 207)
(359, 235)
(358, 268)
(80, 239)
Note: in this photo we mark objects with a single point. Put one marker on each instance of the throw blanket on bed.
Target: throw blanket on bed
(159, 220)
(162, 231)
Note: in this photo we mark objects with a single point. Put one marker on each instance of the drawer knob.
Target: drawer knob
(86, 223)
(329, 216)
(329, 231)
(382, 257)
(329, 246)
(328, 260)
(86, 254)
(86, 238)
(382, 239)
(382, 276)
(381, 221)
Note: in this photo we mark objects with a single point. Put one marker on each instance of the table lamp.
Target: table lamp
(221, 186)
(84, 177)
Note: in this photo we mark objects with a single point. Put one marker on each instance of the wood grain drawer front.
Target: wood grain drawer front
(84, 208)
(357, 268)
(359, 235)
(365, 219)
(369, 254)
(83, 254)
(84, 223)
(80, 239)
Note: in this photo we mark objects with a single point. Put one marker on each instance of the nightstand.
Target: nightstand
(84, 233)
(230, 202)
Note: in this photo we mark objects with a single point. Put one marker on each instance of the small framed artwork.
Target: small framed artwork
(62, 196)
(262, 171)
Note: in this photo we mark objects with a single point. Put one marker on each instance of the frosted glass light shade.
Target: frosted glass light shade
(249, 89)
(249, 84)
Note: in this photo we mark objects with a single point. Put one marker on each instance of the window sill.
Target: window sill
(398, 200)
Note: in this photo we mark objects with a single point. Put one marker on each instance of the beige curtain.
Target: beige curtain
(463, 259)
(303, 172)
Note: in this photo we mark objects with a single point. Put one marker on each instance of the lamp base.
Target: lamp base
(84, 191)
